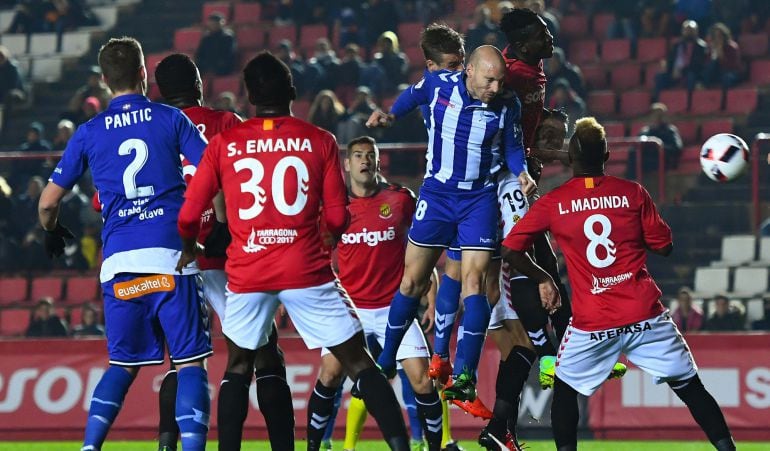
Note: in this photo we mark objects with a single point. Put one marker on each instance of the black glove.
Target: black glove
(54, 240)
(217, 241)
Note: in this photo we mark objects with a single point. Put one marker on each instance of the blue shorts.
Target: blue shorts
(470, 217)
(144, 311)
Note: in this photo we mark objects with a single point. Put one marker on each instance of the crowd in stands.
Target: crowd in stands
(47, 16)
(45, 321)
(727, 315)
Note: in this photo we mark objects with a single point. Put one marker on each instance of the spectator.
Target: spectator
(482, 28)
(227, 101)
(686, 61)
(655, 19)
(349, 74)
(550, 19)
(94, 87)
(725, 317)
(564, 98)
(408, 129)
(624, 17)
(90, 108)
(379, 17)
(349, 30)
(558, 67)
(25, 217)
(64, 131)
(764, 323)
(354, 123)
(326, 111)
(661, 128)
(323, 68)
(688, 317)
(35, 139)
(217, 50)
(285, 53)
(32, 255)
(11, 84)
(66, 15)
(697, 10)
(725, 67)
(90, 325)
(44, 322)
(25, 20)
(8, 242)
(392, 61)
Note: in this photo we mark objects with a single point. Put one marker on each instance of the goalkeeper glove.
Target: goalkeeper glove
(54, 240)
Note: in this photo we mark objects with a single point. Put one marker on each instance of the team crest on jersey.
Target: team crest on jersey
(516, 218)
(251, 247)
(126, 107)
(385, 211)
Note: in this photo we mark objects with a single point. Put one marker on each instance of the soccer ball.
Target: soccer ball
(724, 157)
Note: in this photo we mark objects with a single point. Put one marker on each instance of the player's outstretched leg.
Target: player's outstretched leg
(375, 390)
(193, 405)
(705, 411)
(233, 402)
(564, 416)
(426, 399)
(273, 393)
(415, 422)
(474, 325)
(168, 430)
(105, 404)
(447, 304)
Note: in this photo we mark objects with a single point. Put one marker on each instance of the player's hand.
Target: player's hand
(528, 185)
(189, 254)
(549, 296)
(54, 240)
(218, 240)
(380, 118)
(428, 319)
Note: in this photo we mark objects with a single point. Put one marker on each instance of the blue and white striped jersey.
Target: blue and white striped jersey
(133, 150)
(467, 139)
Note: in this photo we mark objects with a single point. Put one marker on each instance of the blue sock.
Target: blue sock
(475, 323)
(105, 404)
(403, 310)
(411, 406)
(193, 407)
(333, 418)
(447, 303)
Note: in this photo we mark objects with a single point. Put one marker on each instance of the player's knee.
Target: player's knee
(412, 286)
(493, 293)
(330, 378)
(269, 357)
(473, 283)
(452, 269)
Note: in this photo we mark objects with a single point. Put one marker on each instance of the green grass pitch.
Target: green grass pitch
(377, 446)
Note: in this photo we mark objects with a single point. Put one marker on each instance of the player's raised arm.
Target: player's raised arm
(513, 148)
(192, 143)
(414, 96)
(657, 234)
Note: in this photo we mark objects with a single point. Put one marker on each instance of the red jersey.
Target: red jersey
(603, 225)
(370, 253)
(528, 82)
(210, 122)
(275, 173)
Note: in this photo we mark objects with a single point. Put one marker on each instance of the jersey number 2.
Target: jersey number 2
(602, 239)
(252, 187)
(129, 175)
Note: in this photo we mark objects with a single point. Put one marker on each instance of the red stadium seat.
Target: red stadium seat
(251, 38)
(81, 289)
(310, 34)
(706, 101)
(416, 58)
(574, 25)
(415, 75)
(231, 83)
(409, 34)
(651, 49)
(637, 126)
(210, 8)
(711, 127)
(247, 13)
(465, 7)
(186, 40)
(13, 290)
(277, 34)
(595, 76)
(616, 50)
(627, 76)
(585, 51)
(675, 100)
(753, 45)
(601, 102)
(634, 103)
(601, 24)
(689, 161)
(650, 71)
(14, 321)
(688, 130)
(46, 287)
(742, 100)
(760, 72)
(615, 129)
(617, 165)
(301, 108)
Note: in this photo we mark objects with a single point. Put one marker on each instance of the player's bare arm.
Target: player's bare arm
(48, 206)
(664, 251)
(528, 185)
(380, 118)
(522, 262)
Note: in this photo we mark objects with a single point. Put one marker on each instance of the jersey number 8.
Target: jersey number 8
(602, 239)
(252, 187)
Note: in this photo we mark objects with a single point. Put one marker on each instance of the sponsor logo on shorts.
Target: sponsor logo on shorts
(486, 240)
(602, 284)
(614, 333)
(385, 211)
(141, 286)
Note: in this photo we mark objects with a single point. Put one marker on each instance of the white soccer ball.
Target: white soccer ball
(724, 157)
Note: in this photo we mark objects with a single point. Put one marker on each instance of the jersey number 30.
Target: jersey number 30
(252, 187)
